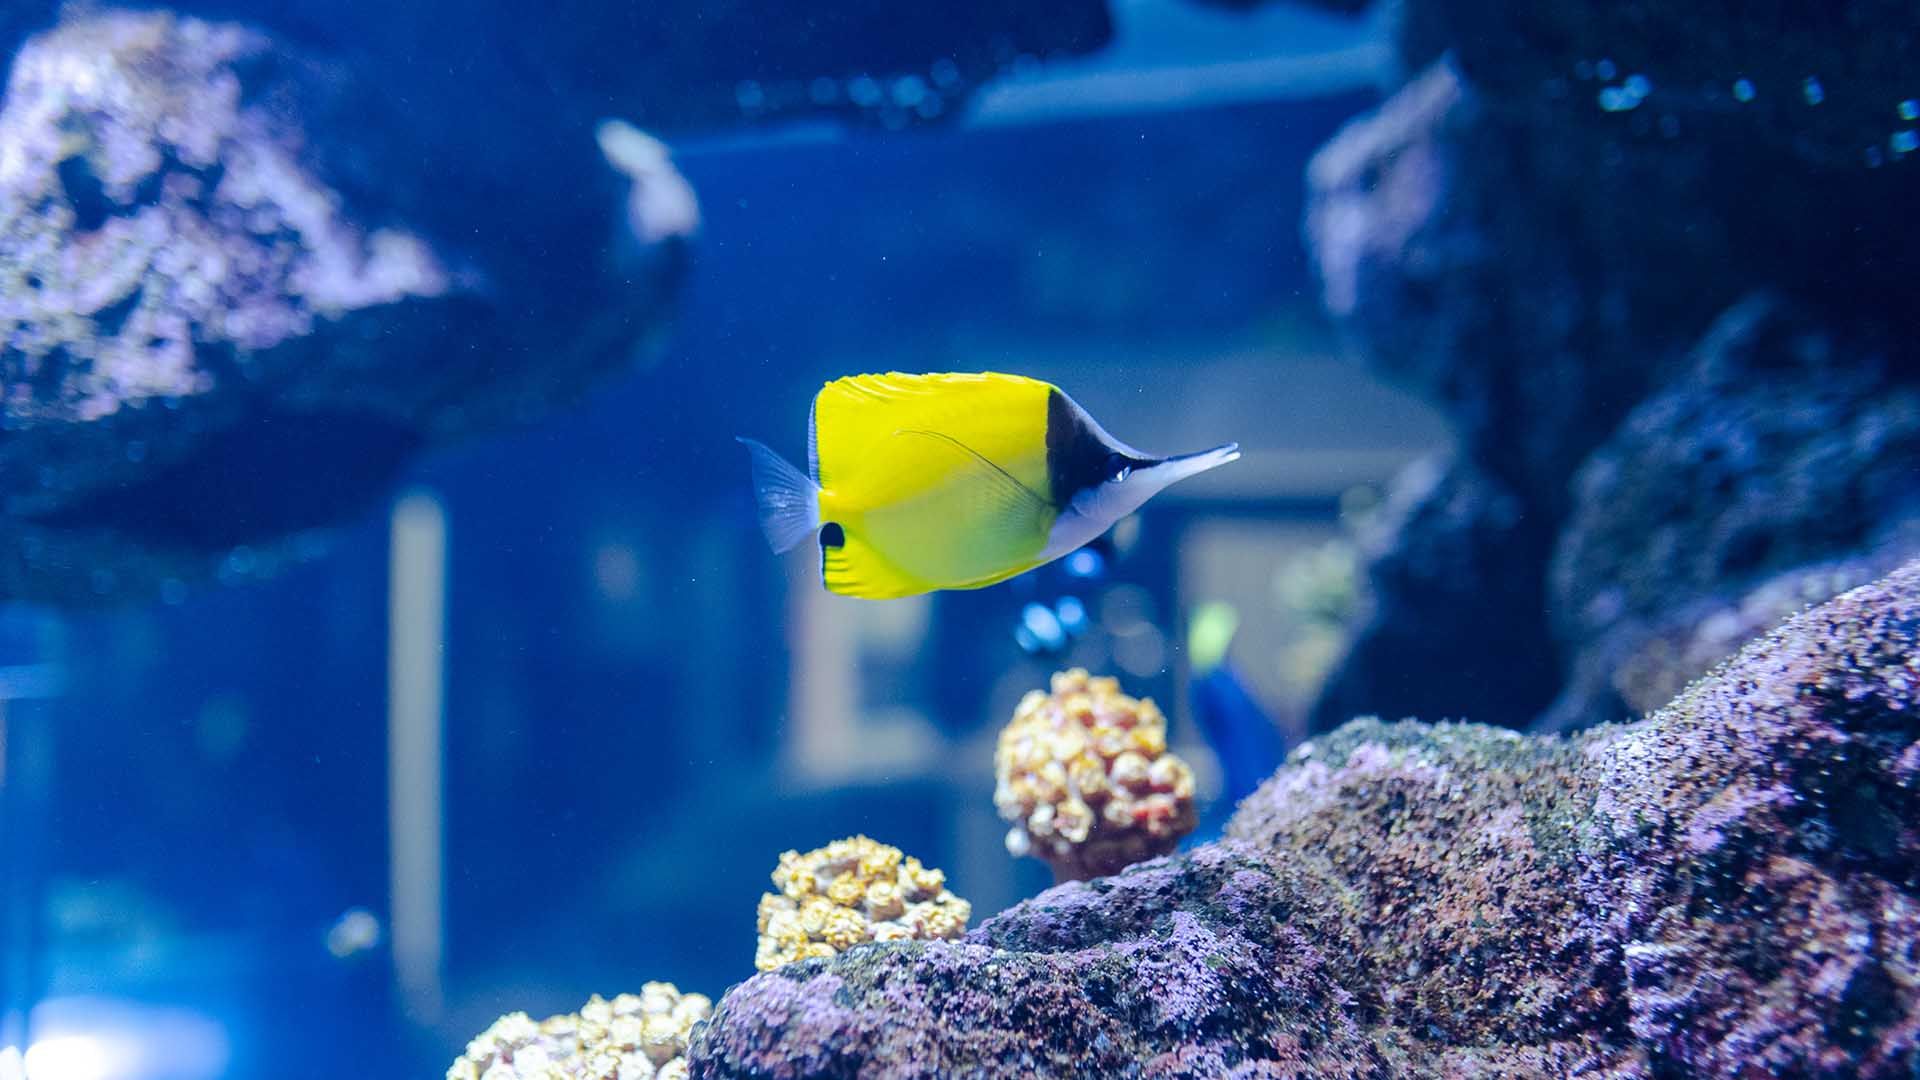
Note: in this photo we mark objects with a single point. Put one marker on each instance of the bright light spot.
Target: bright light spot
(1743, 90)
(355, 931)
(1618, 99)
(1084, 563)
(11, 1067)
(88, 1038)
(1044, 625)
(1909, 109)
(1905, 142)
(70, 1057)
(1811, 89)
(1073, 614)
(1638, 85)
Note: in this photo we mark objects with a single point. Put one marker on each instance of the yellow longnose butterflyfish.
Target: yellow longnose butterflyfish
(924, 482)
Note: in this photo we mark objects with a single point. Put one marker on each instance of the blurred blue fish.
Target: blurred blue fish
(1244, 737)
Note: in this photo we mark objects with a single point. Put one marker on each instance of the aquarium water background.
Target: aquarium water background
(538, 724)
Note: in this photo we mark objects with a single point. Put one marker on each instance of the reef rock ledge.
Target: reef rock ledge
(1730, 887)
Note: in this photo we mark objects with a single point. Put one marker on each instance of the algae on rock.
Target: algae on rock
(1733, 882)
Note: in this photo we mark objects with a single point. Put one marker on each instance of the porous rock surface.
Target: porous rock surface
(225, 315)
(1729, 888)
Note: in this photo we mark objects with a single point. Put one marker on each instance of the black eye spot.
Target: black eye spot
(832, 535)
(1118, 468)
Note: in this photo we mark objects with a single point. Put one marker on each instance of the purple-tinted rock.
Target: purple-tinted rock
(217, 331)
(1488, 269)
(1191, 966)
(1730, 888)
(1535, 234)
(1781, 469)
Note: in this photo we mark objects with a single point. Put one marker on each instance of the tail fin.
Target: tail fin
(789, 502)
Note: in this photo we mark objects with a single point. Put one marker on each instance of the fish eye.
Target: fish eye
(1118, 468)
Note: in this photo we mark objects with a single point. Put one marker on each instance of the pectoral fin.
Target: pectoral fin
(1003, 489)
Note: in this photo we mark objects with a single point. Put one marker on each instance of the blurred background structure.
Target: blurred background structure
(515, 718)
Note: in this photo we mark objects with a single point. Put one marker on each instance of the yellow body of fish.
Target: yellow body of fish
(952, 481)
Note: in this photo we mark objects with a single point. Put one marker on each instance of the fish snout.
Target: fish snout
(1181, 466)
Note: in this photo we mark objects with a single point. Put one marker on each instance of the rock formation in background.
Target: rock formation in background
(1568, 219)
(224, 326)
(1728, 885)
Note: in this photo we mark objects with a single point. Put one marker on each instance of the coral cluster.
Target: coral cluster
(852, 891)
(1084, 775)
(1727, 889)
(633, 1037)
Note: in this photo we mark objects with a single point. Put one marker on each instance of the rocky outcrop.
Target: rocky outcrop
(1547, 231)
(220, 330)
(1731, 884)
(1782, 467)
(1188, 966)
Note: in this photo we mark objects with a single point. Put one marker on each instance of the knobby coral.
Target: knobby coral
(852, 891)
(1084, 775)
(633, 1037)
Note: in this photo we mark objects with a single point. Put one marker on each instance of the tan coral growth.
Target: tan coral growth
(1084, 775)
(633, 1037)
(851, 891)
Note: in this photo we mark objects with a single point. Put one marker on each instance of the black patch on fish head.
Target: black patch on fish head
(832, 535)
(1079, 456)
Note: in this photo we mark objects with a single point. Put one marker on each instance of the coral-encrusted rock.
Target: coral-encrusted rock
(1731, 885)
(226, 314)
(1189, 966)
